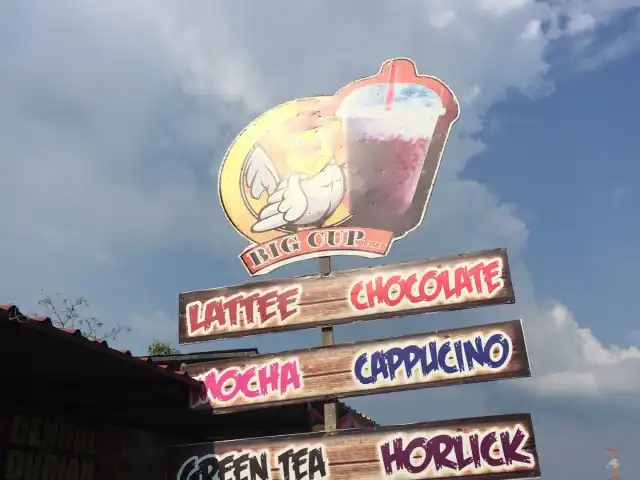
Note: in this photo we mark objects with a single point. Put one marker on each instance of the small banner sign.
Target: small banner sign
(452, 283)
(491, 448)
(450, 357)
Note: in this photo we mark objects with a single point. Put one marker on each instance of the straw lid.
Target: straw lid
(401, 96)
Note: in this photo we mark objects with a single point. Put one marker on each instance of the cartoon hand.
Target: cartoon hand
(301, 201)
(286, 205)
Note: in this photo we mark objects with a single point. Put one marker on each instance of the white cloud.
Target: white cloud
(580, 22)
(619, 47)
(572, 361)
(104, 101)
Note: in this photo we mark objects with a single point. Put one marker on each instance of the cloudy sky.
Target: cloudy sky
(115, 115)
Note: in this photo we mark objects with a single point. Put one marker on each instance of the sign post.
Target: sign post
(330, 407)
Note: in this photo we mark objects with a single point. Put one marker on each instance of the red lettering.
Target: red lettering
(444, 284)
(463, 280)
(492, 276)
(373, 290)
(242, 310)
(267, 300)
(268, 377)
(214, 313)
(248, 305)
(252, 383)
(476, 273)
(226, 392)
(246, 380)
(193, 317)
(290, 377)
(288, 303)
(232, 306)
(424, 284)
(437, 286)
(394, 299)
(354, 297)
(408, 288)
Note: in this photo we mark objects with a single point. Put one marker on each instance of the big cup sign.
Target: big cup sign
(341, 174)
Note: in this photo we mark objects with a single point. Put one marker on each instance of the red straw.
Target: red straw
(391, 86)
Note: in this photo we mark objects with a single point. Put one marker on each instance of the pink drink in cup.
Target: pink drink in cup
(386, 142)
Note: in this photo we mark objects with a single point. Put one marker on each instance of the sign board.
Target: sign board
(341, 174)
(491, 448)
(473, 354)
(453, 283)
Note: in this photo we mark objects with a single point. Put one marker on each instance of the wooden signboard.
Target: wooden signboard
(452, 283)
(492, 448)
(472, 354)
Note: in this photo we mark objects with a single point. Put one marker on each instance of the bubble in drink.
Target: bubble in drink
(386, 144)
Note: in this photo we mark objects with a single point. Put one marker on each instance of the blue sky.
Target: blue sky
(567, 162)
(115, 116)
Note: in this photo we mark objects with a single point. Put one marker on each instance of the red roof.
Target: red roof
(11, 313)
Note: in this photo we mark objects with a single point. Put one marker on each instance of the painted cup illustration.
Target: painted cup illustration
(388, 128)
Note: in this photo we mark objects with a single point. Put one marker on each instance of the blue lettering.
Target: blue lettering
(497, 338)
(476, 355)
(432, 366)
(458, 348)
(379, 365)
(361, 361)
(395, 358)
(446, 356)
(415, 354)
(442, 358)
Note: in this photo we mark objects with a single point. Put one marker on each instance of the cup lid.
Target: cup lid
(405, 96)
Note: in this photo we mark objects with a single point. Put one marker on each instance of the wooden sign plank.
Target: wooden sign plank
(473, 354)
(452, 283)
(492, 448)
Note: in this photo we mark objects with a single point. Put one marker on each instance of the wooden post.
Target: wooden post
(330, 410)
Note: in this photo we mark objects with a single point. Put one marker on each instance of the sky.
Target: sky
(115, 117)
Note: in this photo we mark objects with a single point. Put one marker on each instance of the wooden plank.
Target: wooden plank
(472, 354)
(452, 283)
(496, 447)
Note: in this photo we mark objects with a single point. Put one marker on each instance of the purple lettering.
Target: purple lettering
(511, 447)
(456, 452)
(393, 456)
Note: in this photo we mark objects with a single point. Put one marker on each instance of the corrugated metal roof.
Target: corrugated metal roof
(360, 414)
(318, 414)
(200, 357)
(11, 313)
